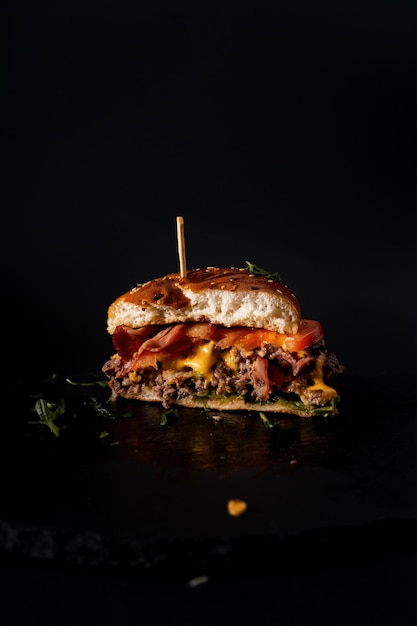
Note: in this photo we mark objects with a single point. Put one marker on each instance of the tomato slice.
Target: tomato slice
(228, 337)
(258, 337)
(309, 331)
(149, 342)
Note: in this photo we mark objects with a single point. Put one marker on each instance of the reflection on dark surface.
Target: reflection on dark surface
(191, 439)
(197, 439)
(117, 472)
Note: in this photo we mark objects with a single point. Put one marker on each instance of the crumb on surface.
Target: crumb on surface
(236, 507)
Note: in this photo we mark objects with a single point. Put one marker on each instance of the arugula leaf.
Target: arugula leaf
(99, 408)
(100, 383)
(47, 414)
(259, 271)
(266, 422)
(164, 416)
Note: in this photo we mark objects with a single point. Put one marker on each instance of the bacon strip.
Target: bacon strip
(128, 340)
(144, 360)
(169, 340)
(260, 379)
(163, 339)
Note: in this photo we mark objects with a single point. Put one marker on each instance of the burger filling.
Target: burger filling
(207, 360)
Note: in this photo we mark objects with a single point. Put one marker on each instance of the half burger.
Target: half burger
(229, 339)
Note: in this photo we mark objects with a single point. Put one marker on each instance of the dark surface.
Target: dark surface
(152, 498)
(120, 527)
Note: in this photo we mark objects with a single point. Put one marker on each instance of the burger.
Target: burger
(223, 338)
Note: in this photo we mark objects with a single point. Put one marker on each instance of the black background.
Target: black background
(283, 133)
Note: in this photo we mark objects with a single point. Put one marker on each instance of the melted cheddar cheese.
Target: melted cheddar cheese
(328, 393)
(229, 358)
(200, 361)
(203, 357)
(135, 377)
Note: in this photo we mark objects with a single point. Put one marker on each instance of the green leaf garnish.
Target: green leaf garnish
(164, 417)
(100, 383)
(258, 271)
(100, 409)
(266, 422)
(48, 413)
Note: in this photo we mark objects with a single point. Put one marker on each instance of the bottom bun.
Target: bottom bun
(225, 403)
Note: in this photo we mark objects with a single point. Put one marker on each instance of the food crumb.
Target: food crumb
(236, 507)
(198, 580)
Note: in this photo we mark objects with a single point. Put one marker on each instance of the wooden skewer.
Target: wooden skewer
(181, 246)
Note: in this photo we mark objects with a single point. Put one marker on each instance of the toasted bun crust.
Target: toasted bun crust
(225, 296)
